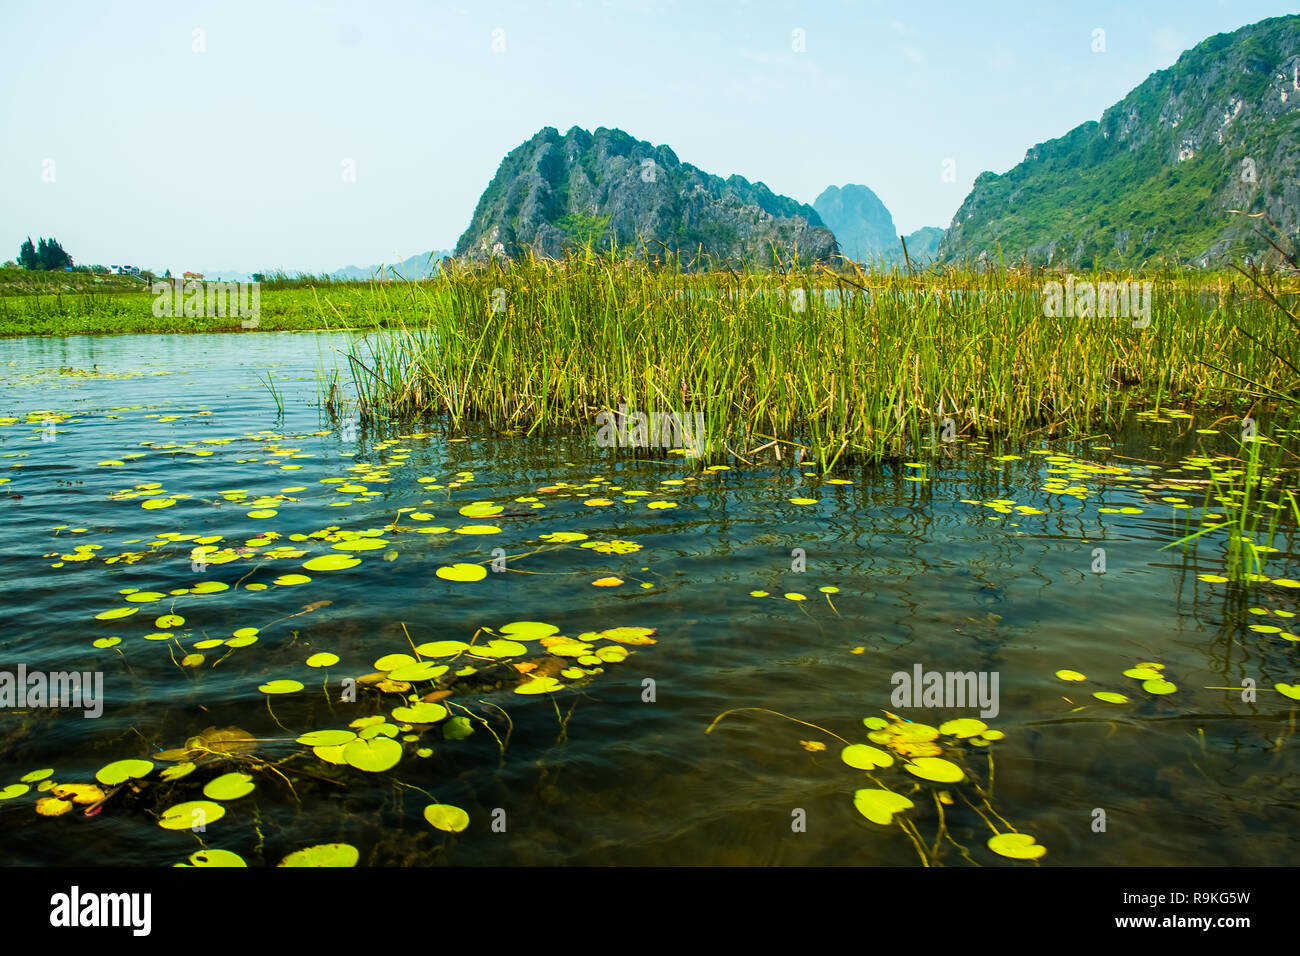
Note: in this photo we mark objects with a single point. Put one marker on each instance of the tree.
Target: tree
(27, 255)
(51, 255)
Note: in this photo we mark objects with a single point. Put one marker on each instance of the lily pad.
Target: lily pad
(864, 757)
(373, 756)
(1016, 846)
(442, 648)
(963, 727)
(446, 817)
(327, 738)
(216, 858)
(420, 713)
(458, 728)
(229, 786)
(325, 854)
(879, 806)
(462, 572)
(331, 562)
(539, 685)
(936, 769)
(121, 771)
(280, 687)
(188, 816)
(1159, 685)
(529, 630)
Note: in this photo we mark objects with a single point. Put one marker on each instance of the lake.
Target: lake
(978, 558)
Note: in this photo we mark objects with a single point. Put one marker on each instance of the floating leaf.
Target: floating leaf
(229, 786)
(458, 728)
(1110, 697)
(1142, 673)
(121, 771)
(331, 562)
(935, 768)
(393, 661)
(463, 572)
(373, 756)
(1159, 685)
(446, 817)
(280, 687)
(78, 792)
(1071, 675)
(864, 757)
(216, 858)
(529, 630)
(500, 648)
(539, 685)
(323, 659)
(442, 648)
(629, 635)
(38, 775)
(327, 738)
(52, 806)
(325, 854)
(176, 771)
(963, 727)
(1016, 846)
(1288, 690)
(420, 713)
(417, 671)
(879, 806)
(13, 790)
(116, 613)
(191, 815)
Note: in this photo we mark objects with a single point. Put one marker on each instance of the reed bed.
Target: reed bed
(844, 365)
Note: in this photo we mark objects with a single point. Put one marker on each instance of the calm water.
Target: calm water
(594, 773)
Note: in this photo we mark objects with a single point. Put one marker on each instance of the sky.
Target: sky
(311, 136)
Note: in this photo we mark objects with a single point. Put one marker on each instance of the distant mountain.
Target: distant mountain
(861, 223)
(866, 232)
(923, 245)
(555, 192)
(419, 266)
(1160, 174)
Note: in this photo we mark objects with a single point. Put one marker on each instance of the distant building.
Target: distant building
(193, 275)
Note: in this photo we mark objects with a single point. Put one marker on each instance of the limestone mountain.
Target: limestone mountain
(1158, 177)
(923, 244)
(861, 223)
(554, 192)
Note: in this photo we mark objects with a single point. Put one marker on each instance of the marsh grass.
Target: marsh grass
(846, 365)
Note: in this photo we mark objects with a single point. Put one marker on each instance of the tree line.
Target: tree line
(47, 255)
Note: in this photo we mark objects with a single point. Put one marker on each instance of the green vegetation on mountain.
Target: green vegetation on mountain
(555, 193)
(1182, 169)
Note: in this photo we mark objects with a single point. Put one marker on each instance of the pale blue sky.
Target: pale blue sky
(232, 158)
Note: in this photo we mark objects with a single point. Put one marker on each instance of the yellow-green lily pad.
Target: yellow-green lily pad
(879, 806)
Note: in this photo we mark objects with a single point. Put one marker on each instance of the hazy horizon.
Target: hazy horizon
(222, 136)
